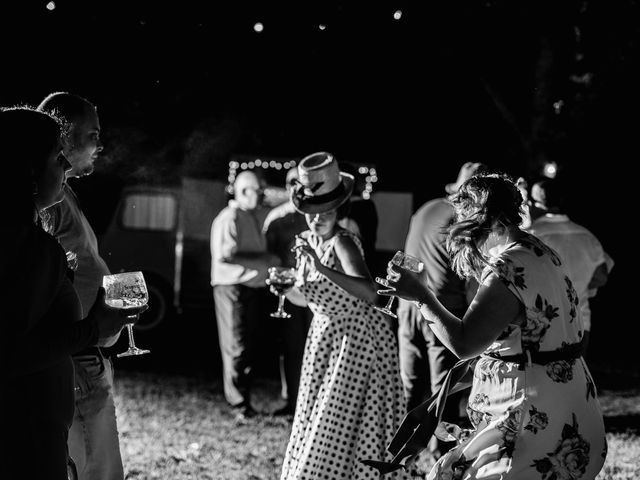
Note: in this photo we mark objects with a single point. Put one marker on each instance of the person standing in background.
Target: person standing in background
(93, 437)
(239, 264)
(582, 255)
(281, 226)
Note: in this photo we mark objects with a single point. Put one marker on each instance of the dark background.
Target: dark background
(182, 86)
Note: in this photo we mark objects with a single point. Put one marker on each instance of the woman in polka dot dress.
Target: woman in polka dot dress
(350, 400)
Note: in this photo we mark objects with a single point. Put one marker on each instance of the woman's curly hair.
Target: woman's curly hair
(482, 204)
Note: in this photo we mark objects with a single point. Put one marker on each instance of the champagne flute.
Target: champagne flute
(127, 291)
(406, 262)
(281, 279)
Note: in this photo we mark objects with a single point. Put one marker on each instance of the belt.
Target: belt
(418, 425)
(528, 357)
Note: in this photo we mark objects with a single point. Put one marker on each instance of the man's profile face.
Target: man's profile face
(83, 144)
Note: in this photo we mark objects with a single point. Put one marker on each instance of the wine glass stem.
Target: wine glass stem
(389, 303)
(132, 344)
(280, 303)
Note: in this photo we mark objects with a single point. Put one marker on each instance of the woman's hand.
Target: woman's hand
(111, 320)
(296, 297)
(405, 284)
(303, 248)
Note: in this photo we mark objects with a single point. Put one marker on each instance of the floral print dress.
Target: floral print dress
(540, 422)
(350, 400)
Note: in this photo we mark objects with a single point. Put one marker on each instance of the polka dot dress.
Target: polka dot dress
(350, 400)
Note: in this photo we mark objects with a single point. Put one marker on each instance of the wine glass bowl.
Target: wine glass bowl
(127, 291)
(406, 262)
(281, 280)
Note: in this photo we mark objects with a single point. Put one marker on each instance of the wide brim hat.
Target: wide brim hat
(467, 171)
(321, 186)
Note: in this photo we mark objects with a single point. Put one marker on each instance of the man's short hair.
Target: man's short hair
(550, 193)
(67, 105)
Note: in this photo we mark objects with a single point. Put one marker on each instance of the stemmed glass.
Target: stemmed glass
(406, 262)
(281, 279)
(127, 291)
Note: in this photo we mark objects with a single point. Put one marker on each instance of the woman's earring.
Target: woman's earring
(34, 188)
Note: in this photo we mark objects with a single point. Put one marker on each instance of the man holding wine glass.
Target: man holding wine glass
(45, 323)
(93, 438)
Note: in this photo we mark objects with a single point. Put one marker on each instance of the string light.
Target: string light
(370, 177)
(234, 166)
(367, 171)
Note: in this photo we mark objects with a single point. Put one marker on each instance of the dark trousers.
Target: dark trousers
(292, 341)
(239, 309)
(424, 363)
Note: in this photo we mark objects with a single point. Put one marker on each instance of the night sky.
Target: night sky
(338, 76)
(187, 84)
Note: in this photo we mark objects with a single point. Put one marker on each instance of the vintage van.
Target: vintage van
(164, 232)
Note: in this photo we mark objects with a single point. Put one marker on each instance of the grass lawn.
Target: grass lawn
(177, 427)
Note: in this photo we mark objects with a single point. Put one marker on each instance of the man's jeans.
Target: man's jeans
(93, 437)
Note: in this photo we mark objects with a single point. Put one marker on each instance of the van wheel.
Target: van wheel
(159, 305)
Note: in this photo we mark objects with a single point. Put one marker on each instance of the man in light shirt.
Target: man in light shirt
(584, 259)
(93, 440)
(239, 264)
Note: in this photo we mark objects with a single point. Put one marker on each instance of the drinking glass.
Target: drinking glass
(127, 291)
(406, 262)
(282, 280)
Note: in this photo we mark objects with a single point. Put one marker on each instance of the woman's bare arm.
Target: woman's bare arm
(493, 308)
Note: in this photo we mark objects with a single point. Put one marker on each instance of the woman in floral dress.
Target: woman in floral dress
(533, 403)
(350, 398)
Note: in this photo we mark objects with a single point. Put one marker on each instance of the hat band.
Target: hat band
(334, 194)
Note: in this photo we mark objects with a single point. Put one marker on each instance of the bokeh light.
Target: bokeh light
(550, 169)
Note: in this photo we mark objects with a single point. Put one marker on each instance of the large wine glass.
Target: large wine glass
(127, 291)
(281, 280)
(406, 262)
